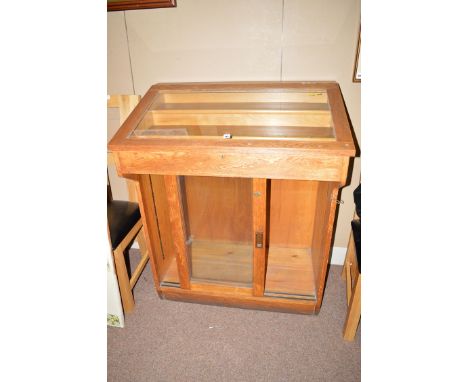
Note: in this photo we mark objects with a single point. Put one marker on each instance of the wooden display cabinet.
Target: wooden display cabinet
(237, 186)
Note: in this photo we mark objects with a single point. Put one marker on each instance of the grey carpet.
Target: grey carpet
(173, 341)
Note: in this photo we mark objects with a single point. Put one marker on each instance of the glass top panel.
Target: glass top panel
(285, 114)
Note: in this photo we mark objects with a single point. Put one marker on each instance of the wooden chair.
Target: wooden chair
(124, 220)
(352, 273)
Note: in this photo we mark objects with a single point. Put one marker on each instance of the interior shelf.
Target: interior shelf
(222, 262)
(290, 273)
(216, 262)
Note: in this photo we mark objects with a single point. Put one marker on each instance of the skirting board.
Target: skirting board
(337, 257)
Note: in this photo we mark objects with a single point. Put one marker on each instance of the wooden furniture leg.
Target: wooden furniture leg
(348, 283)
(350, 254)
(354, 312)
(125, 284)
(139, 269)
(128, 301)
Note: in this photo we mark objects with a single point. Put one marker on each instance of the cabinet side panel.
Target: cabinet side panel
(323, 230)
(148, 215)
(163, 223)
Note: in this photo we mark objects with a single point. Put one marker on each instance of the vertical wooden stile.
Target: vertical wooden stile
(176, 217)
(259, 189)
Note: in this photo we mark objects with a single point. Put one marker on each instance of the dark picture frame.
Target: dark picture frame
(124, 5)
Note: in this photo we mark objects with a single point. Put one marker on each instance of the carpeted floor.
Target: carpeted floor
(174, 341)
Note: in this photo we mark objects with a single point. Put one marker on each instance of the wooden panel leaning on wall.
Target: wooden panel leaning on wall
(125, 104)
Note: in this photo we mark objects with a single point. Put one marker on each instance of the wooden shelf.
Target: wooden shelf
(216, 262)
(290, 274)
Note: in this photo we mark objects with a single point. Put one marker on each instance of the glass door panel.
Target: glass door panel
(218, 224)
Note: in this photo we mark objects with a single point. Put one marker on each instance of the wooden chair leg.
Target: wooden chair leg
(124, 283)
(350, 254)
(139, 269)
(354, 312)
(348, 283)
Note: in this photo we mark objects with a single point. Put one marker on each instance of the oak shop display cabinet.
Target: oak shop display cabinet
(237, 186)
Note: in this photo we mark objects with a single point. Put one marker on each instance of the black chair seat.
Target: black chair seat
(121, 216)
(356, 227)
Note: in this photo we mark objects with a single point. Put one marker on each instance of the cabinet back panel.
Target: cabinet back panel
(292, 210)
(219, 209)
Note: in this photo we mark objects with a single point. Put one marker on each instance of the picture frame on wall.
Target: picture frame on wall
(357, 62)
(124, 5)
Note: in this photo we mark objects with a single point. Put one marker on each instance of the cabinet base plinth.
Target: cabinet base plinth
(246, 302)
